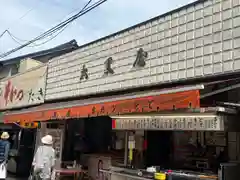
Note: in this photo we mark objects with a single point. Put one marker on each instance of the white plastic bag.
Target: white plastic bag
(3, 170)
(53, 175)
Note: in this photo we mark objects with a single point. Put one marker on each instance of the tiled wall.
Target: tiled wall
(201, 40)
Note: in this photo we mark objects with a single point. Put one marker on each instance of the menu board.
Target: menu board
(180, 122)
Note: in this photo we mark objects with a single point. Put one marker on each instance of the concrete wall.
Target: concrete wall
(8, 70)
(202, 39)
(21, 66)
(27, 64)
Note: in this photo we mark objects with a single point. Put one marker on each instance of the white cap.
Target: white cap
(5, 135)
(47, 139)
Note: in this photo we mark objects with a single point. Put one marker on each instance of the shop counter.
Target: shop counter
(95, 162)
(116, 173)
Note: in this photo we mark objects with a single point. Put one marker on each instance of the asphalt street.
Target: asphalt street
(12, 177)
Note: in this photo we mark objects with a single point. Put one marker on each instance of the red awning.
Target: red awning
(149, 101)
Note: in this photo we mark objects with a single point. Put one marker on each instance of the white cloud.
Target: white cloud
(112, 16)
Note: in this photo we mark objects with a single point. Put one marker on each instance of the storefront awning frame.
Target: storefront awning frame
(181, 96)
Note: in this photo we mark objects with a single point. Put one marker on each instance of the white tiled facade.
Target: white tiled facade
(200, 40)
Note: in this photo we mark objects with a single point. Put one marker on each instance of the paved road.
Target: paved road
(11, 177)
(15, 178)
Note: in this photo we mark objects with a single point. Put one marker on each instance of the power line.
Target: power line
(56, 28)
(3, 33)
(14, 38)
(21, 17)
(64, 26)
(17, 40)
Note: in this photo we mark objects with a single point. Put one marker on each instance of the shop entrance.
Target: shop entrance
(158, 150)
(90, 135)
(26, 151)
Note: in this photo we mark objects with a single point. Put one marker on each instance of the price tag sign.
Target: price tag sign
(178, 122)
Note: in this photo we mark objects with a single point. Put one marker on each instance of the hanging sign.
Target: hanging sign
(184, 122)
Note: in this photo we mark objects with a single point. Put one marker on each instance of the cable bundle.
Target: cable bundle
(58, 28)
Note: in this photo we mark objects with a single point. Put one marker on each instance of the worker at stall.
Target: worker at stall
(44, 159)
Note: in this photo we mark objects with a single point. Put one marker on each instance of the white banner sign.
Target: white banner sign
(23, 89)
(206, 123)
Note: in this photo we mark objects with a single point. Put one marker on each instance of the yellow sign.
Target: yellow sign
(160, 176)
(30, 125)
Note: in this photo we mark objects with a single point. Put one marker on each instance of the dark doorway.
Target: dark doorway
(26, 151)
(158, 148)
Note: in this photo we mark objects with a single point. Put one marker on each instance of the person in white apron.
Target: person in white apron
(44, 159)
(4, 151)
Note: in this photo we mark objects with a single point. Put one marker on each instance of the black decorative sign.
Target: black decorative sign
(141, 58)
(108, 68)
(35, 96)
(84, 73)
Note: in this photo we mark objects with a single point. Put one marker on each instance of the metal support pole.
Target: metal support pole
(126, 149)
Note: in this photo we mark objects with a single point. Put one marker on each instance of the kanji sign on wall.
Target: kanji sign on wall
(199, 40)
(23, 89)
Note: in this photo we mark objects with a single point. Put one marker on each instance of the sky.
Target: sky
(26, 19)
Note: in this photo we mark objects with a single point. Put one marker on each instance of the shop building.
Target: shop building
(17, 92)
(174, 78)
(10, 67)
(23, 85)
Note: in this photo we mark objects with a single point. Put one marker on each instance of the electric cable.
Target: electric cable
(14, 38)
(56, 28)
(21, 17)
(18, 40)
(3, 33)
(62, 28)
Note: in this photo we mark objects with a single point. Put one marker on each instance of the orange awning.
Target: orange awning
(143, 102)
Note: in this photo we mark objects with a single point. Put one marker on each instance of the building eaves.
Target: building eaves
(71, 45)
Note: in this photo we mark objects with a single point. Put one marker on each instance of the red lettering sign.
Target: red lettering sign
(12, 94)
